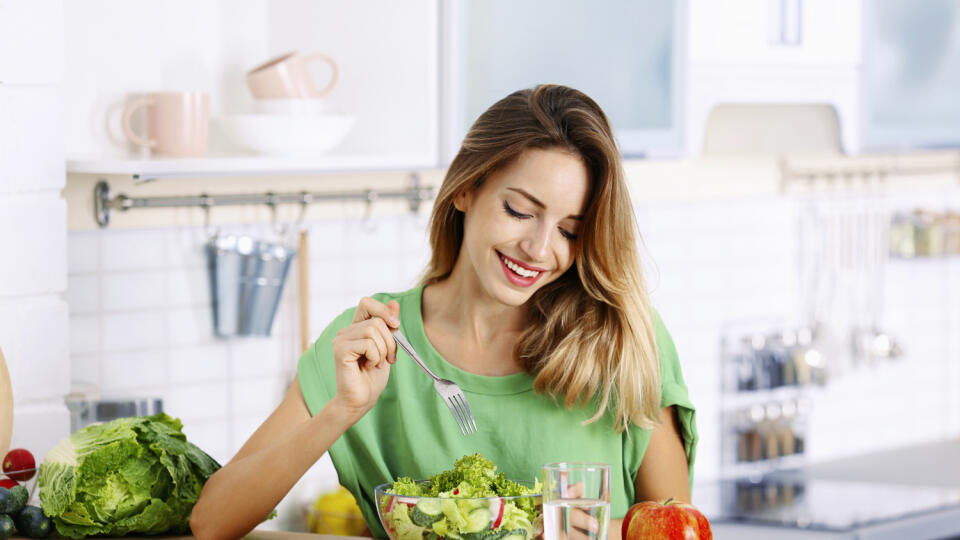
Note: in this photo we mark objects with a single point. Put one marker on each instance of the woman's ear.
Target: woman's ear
(462, 201)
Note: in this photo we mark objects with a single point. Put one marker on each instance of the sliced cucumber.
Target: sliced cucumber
(478, 520)
(518, 534)
(426, 512)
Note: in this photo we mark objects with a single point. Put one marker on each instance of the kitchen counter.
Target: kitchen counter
(910, 492)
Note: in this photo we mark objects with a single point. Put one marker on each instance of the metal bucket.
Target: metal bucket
(246, 283)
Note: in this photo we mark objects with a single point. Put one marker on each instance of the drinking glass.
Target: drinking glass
(576, 500)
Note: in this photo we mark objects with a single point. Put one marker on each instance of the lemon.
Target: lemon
(336, 513)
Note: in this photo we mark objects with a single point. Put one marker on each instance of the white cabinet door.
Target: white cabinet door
(812, 32)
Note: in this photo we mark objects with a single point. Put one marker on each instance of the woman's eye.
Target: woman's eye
(514, 213)
(568, 235)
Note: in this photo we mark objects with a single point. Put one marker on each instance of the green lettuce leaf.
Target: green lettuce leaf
(132, 475)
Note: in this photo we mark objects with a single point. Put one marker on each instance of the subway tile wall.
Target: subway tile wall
(141, 322)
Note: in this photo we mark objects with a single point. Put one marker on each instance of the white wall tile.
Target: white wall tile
(255, 357)
(33, 335)
(198, 364)
(144, 249)
(34, 239)
(85, 367)
(187, 287)
(258, 396)
(83, 251)
(198, 402)
(38, 427)
(140, 330)
(31, 42)
(186, 247)
(131, 370)
(83, 293)
(189, 326)
(85, 334)
(31, 136)
(133, 290)
(213, 437)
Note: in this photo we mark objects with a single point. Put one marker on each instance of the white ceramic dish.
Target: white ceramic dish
(285, 134)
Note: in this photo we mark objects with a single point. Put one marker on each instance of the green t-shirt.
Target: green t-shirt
(410, 432)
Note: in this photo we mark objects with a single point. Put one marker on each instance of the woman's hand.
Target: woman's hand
(363, 353)
(581, 525)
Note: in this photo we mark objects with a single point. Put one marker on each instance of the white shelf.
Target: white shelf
(244, 165)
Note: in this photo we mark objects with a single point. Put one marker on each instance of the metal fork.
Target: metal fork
(451, 393)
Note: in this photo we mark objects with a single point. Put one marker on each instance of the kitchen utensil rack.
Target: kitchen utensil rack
(105, 203)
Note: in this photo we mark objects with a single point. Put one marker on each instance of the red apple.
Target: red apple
(667, 520)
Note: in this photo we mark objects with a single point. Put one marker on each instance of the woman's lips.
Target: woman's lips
(520, 274)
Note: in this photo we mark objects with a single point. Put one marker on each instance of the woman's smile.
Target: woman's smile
(519, 273)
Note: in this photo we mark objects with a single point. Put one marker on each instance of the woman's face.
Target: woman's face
(521, 224)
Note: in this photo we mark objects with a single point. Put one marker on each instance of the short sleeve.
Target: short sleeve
(674, 391)
(316, 372)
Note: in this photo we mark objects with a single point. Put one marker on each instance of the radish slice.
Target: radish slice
(496, 509)
(409, 501)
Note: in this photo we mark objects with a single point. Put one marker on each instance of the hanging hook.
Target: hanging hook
(367, 224)
(206, 202)
(305, 199)
(272, 201)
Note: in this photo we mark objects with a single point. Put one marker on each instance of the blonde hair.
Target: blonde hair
(590, 337)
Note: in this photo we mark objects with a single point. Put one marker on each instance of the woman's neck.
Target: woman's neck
(483, 328)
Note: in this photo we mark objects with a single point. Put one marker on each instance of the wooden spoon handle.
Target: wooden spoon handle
(303, 255)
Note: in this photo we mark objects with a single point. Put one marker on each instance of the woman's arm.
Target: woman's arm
(241, 494)
(663, 473)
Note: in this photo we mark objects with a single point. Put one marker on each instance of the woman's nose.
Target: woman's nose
(537, 243)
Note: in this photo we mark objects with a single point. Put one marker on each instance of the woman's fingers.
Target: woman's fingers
(368, 308)
(582, 522)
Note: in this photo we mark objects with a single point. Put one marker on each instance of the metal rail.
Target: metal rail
(104, 203)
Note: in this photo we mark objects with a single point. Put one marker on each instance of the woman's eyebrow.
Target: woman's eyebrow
(537, 201)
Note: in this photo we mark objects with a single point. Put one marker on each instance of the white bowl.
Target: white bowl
(285, 134)
(290, 106)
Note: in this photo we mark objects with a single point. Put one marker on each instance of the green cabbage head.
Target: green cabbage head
(130, 475)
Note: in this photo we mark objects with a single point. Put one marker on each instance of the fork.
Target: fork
(451, 393)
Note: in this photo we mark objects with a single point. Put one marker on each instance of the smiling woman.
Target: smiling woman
(533, 302)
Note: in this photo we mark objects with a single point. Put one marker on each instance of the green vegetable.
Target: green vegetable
(6, 527)
(426, 512)
(131, 475)
(32, 523)
(13, 499)
(461, 515)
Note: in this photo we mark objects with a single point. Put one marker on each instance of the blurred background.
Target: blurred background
(794, 166)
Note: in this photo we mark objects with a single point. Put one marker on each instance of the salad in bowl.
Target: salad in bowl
(469, 502)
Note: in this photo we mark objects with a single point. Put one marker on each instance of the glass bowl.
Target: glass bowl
(471, 518)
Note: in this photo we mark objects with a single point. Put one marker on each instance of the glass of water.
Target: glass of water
(576, 501)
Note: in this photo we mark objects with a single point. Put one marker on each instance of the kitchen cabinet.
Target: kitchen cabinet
(773, 51)
(628, 56)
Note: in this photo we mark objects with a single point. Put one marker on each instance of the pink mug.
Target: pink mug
(288, 77)
(177, 123)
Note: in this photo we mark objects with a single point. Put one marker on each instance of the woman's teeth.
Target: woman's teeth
(519, 270)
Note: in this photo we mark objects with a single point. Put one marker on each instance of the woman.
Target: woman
(533, 302)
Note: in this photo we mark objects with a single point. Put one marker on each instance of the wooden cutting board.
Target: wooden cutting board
(6, 407)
